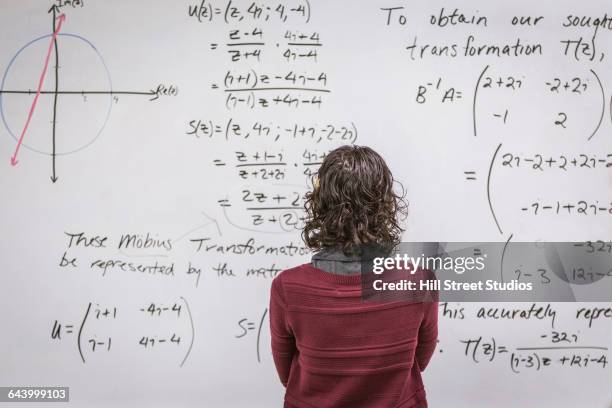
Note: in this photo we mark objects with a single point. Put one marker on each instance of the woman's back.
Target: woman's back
(332, 349)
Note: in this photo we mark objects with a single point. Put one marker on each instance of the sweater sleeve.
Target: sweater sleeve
(283, 342)
(428, 334)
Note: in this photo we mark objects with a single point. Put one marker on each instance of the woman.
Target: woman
(330, 348)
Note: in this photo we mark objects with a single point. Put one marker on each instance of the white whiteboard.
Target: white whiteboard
(173, 168)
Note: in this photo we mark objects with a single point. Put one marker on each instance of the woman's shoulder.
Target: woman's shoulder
(293, 274)
(287, 278)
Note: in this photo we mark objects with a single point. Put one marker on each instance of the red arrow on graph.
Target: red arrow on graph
(41, 82)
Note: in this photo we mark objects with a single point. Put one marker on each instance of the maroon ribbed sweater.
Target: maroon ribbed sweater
(332, 350)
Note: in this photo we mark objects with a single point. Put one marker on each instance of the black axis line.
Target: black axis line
(53, 175)
(31, 92)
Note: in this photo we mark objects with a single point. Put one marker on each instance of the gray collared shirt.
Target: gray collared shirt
(335, 261)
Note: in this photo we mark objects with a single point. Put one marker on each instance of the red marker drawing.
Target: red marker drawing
(41, 82)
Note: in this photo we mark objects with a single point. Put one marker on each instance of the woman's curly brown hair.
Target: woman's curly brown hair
(353, 202)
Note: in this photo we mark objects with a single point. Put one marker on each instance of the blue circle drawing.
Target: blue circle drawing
(110, 96)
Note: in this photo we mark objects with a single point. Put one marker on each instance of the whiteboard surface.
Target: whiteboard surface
(186, 163)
